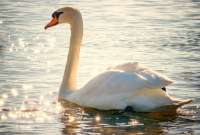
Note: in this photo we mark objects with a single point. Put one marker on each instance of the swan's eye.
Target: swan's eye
(56, 14)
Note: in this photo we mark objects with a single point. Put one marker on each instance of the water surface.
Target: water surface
(164, 35)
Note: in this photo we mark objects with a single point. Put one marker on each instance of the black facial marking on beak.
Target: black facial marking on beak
(56, 14)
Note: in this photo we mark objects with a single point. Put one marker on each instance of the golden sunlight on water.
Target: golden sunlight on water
(30, 110)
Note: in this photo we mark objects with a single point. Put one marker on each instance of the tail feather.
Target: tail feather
(182, 102)
(173, 107)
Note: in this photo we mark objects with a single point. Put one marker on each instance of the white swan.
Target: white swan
(129, 84)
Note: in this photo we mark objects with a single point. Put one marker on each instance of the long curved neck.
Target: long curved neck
(70, 73)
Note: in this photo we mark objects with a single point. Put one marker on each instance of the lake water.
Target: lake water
(164, 35)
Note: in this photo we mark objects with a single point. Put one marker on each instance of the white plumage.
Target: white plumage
(125, 85)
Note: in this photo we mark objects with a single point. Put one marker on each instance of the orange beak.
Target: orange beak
(53, 22)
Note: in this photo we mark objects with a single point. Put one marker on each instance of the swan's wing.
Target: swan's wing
(151, 75)
(118, 89)
(128, 67)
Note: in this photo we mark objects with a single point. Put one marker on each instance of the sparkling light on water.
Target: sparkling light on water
(10, 49)
(134, 122)
(50, 93)
(2, 102)
(5, 96)
(12, 115)
(71, 119)
(4, 117)
(14, 92)
(97, 118)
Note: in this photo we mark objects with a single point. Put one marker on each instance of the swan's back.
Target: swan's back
(151, 75)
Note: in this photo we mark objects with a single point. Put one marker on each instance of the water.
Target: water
(164, 35)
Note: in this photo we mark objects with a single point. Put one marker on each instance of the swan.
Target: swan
(126, 85)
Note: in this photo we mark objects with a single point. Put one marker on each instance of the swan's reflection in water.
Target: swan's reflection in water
(84, 120)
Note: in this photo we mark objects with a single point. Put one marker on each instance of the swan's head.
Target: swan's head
(63, 15)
